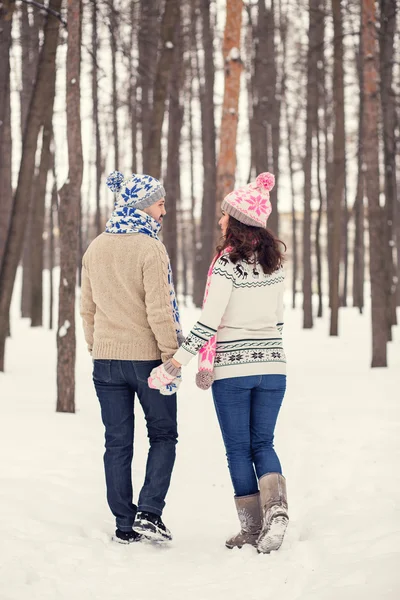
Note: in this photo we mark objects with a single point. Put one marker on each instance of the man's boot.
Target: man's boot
(274, 507)
(249, 513)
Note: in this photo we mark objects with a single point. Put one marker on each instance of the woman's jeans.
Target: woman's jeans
(116, 383)
(247, 409)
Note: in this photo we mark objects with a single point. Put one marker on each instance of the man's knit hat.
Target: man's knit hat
(250, 204)
(136, 191)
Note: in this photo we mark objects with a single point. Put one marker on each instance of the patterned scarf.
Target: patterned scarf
(127, 219)
(208, 351)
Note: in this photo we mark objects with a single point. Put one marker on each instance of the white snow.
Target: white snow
(234, 54)
(64, 329)
(337, 438)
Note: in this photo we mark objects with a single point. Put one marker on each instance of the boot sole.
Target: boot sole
(118, 540)
(151, 532)
(273, 538)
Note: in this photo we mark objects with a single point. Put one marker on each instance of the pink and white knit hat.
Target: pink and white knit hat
(250, 204)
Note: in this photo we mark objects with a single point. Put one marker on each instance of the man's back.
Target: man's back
(125, 301)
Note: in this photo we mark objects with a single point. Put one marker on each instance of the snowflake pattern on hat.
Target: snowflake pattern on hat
(250, 204)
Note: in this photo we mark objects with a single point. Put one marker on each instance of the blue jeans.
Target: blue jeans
(116, 383)
(247, 409)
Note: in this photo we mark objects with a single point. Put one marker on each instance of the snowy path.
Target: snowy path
(337, 439)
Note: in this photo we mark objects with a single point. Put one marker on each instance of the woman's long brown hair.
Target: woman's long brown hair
(253, 243)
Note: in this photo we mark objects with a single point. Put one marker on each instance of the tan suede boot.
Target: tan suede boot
(249, 513)
(274, 512)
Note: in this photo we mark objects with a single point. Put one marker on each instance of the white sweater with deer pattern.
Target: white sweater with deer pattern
(244, 308)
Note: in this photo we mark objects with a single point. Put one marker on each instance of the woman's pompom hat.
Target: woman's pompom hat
(135, 191)
(250, 204)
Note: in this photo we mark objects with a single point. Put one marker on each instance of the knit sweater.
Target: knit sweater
(125, 301)
(244, 308)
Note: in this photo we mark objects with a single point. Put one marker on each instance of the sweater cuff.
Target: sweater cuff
(183, 357)
(171, 369)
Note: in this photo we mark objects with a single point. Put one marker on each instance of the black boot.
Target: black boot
(126, 537)
(151, 527)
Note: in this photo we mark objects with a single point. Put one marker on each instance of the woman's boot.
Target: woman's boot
(249, 513)
(274, 512)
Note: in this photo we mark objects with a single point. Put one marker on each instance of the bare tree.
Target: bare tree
(338, 161)
(204, 249)
(147, 39)
(68, 219)
(359, 245)
(113, 28)
(232, 67)
(19, 213)
(168, 26)
(386, 39)
(30, 29)
(6, 16)
(312, 104)
(175, 121)
(377, 251)
(96, 120)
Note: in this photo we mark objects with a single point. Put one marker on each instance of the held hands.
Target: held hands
(166, 378)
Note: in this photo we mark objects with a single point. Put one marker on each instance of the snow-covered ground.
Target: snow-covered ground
(338, 440)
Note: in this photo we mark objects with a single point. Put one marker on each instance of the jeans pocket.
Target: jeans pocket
(102, 370)
(143, 368)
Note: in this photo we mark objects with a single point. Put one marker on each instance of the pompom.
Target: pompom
(204, 379)
(266, 181)
(114, 181)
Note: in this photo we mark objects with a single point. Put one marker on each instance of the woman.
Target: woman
(239, 337)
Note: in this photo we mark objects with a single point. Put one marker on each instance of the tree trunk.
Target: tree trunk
(312, 104)
(53, 212)
(319, 40)
(386, 38)
(226, 168)
(175, 121)
(359, 245)
(68, 219)
(168, 26)
(113, 44)
(38, 214)
(133, 85)
(148, 34)
(96, 120)
(338, 161)
(22, 194)
(29, 62)
(377, 252)
(6, 15)
(205, 250)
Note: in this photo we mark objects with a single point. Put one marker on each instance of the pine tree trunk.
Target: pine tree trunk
(148, 34)
(19, 213)
(113, 44)
(386, 38)
(312, 103)
(53, 211)
(68, 219)
(377, 252)
(319, 40)
(6, 15)
(133, 85)
(96, 120)
(359, 245)
(230, 114)
(168, 26)
(205, 250)
(38, 215)
(29, 62)
(175, 121)
(339, 163)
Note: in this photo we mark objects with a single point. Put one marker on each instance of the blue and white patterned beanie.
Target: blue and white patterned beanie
(136, 191)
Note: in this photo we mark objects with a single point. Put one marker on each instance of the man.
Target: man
(131, 324)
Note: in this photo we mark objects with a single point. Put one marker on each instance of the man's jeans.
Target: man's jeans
(247, 409)
(116, 383)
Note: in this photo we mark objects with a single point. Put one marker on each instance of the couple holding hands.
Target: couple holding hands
(132, 328)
